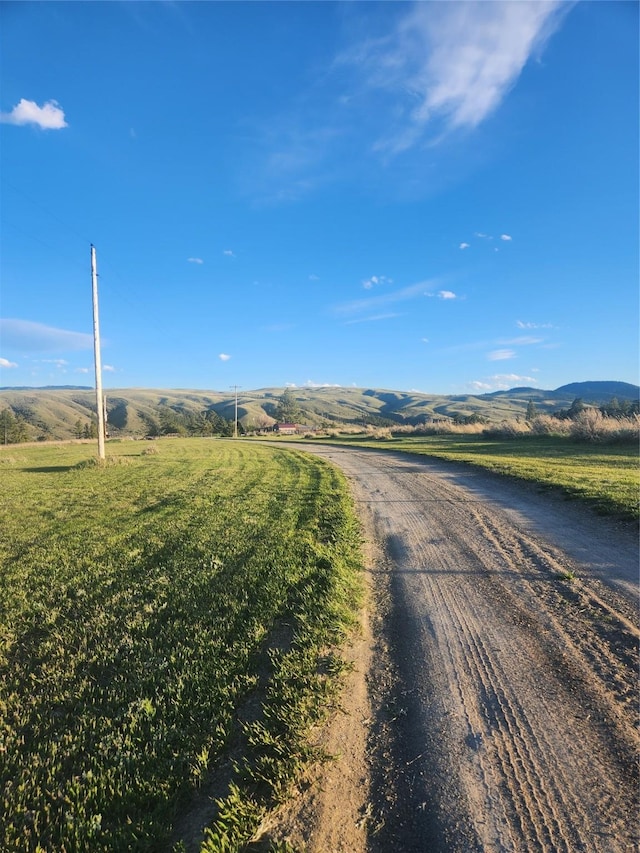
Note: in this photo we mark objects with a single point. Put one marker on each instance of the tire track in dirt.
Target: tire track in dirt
(487, 701)
(518, 686)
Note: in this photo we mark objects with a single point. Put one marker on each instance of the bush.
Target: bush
(507, 429)
(548, 425)
(591, 425)
(381, 433)
(588, 425)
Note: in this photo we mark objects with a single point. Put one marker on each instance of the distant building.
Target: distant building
(286, 429)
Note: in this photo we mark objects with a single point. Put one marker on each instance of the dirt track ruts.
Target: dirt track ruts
(503, 679)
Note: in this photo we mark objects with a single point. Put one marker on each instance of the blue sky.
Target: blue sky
(440, 197)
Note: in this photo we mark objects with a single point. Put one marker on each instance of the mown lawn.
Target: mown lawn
(145, 607)
(607, 476)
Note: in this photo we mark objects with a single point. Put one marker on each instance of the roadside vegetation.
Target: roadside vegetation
(169, 621)
(591, 457)
(63, 413)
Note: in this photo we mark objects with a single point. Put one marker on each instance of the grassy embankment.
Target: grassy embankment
(606, 476)
(167, 622)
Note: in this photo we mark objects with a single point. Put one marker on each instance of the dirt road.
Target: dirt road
(500, 708)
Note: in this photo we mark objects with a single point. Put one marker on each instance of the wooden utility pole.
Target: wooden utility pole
(235, 422)
(96, 353)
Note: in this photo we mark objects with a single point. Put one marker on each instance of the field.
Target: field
(167, 621)
(607, 476)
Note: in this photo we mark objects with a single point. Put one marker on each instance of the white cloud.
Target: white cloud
(26, 336)
(376, 280)
(501, 382)
(501, 355)
(224, 357)
(508, 379)
(446, 294)
(4, 362)
(522, 325)
(195, 260)
(483, 236)
(81, 370)
(362, 305)
(311, 384)
(424, 340)
(372, 319)
(313, 277)
(506, 237)
(522, 340)
(59, 362)
(229, 253)
(108, 368)
(464, 245)
(48, 117)
(453, 63)
(438, 66)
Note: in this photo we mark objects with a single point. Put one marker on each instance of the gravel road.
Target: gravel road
(504, 684)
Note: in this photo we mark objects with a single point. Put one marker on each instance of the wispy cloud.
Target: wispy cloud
(438, 68)
(314, 277)
(195, 260)
(521, 325)
(224, 357)
(506, 237)
(522, 341)
(48, 117)
(5, 363)
(374, 318)
(501, 382)
(299, 146)
(452, 64)
(229, 253)
(446, 294)
(25, 336)
(507, 379)
(501, 355)
(465, 245)
(414, 291)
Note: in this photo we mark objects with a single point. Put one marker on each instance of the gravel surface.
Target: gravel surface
(501, 672)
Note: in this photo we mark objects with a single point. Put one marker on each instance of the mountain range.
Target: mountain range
(54, 412)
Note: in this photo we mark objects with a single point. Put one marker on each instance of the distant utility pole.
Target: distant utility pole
(235, 422)
(96, 353)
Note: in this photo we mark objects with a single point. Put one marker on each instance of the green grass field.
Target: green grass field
(158, 615)
(607, 476)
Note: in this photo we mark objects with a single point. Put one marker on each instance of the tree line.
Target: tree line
(171, 421)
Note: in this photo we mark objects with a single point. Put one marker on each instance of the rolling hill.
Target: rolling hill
(52, 413)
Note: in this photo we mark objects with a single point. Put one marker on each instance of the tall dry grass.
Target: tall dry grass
(590, 425)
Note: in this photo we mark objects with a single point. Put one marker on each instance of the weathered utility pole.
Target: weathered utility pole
(235, 422)
(96, 353)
